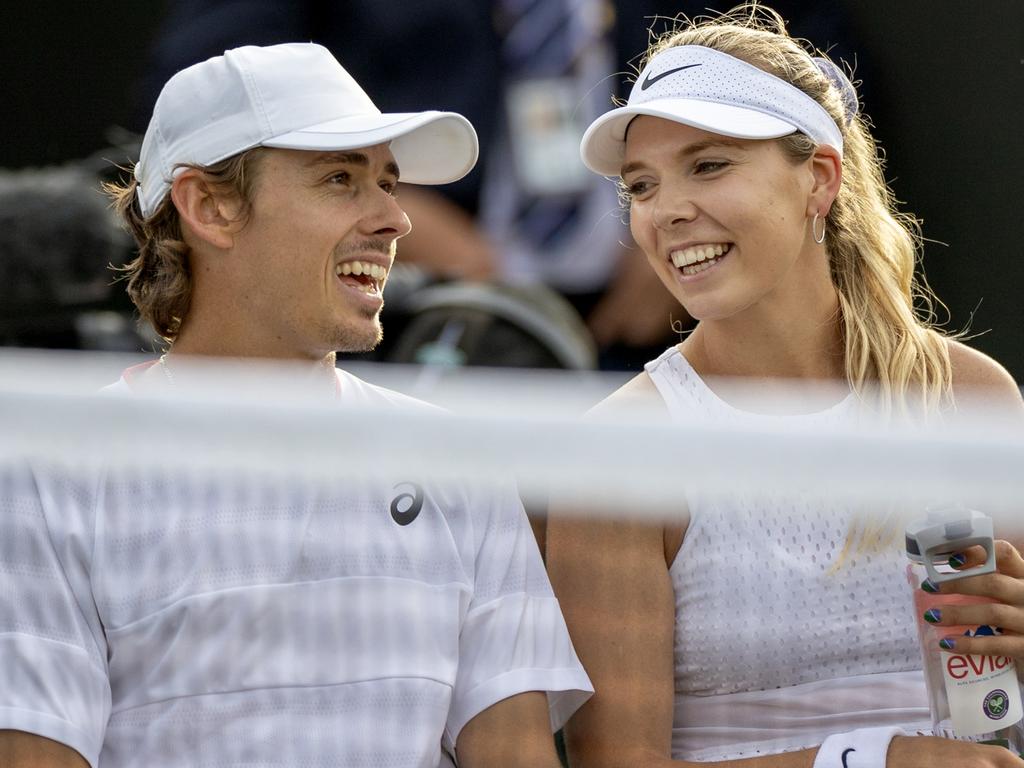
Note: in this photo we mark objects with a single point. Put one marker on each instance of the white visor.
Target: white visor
(715, 92)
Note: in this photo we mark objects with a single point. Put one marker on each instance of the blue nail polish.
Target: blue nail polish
(947, 643)
(929, 586)
(957, 560)
(933, 615)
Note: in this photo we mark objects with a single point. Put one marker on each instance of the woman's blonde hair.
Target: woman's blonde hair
(159, 277)
(894, 355)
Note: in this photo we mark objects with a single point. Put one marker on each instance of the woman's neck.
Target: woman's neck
(764, 343)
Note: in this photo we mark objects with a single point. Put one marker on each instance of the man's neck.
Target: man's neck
(180, 349)
(244, 375)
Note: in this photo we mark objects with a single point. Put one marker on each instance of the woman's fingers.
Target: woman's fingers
(1007, 618)
(989, 645)
(997, 586)
(1008, 559)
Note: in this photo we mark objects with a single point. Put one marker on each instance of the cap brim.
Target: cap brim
(429, 147)
(603, 147)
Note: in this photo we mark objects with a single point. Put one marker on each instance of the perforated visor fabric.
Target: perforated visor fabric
(715, 92)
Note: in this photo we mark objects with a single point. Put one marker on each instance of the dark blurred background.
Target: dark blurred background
(944, 81)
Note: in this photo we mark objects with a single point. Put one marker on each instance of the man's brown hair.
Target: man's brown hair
(159, 277)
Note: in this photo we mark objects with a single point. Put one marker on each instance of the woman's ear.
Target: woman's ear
(205, 212)
(827, 174)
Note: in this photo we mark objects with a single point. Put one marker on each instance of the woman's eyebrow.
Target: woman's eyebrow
(691, 149)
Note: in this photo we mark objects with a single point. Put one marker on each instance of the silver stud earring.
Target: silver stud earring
(814, 229)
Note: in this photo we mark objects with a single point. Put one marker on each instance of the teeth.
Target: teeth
(693, 269)
(375, 271)
(697, 253)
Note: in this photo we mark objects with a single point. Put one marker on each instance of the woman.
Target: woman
(745, 628)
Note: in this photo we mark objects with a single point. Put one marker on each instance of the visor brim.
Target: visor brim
(603, 147)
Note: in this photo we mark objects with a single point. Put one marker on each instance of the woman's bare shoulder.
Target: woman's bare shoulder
(975, 374)
(639, 392)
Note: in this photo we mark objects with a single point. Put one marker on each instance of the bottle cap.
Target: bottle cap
(945, 531)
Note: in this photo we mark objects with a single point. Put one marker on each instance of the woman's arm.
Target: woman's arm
(613, 586)
(27, 750)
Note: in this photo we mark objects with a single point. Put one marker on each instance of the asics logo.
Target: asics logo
(405, 507)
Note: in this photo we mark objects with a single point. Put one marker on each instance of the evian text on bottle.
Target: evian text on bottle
(983, 692)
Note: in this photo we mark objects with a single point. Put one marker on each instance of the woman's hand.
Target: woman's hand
(1005, 585)
(931, 751)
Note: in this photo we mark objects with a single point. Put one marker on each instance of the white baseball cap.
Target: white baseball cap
(713, 91)
(291, 96)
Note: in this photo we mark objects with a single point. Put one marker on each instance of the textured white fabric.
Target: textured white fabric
(738, 725)
(775, 645)
(150, 619)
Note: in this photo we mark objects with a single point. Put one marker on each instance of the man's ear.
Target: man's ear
(207, 213)
(826, 167)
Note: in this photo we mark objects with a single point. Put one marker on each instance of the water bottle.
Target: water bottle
(971, 697)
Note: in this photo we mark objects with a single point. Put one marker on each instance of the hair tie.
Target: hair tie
(838, 78)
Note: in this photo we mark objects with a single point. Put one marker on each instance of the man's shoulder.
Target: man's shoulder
(128, 384)
(356, 391)
(119, 387)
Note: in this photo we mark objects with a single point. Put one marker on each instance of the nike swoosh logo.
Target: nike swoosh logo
(649, 80)
(845, 753)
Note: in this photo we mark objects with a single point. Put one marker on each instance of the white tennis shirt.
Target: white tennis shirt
(159, 620)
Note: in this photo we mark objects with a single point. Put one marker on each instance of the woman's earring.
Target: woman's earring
(677, 326)
(814, 229)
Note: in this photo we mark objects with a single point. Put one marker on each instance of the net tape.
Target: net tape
(498, 426)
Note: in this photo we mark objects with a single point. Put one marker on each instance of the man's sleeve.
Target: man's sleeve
(513, 638)
(53, 677)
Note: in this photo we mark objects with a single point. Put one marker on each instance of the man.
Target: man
(147, 624)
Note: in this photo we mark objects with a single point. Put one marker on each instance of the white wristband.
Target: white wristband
(863, 748)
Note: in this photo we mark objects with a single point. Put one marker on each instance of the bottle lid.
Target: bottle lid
(945, 531)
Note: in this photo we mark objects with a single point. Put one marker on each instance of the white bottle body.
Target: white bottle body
(971, 697)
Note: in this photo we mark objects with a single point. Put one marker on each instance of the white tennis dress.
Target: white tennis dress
(777, 646)
(150, 620)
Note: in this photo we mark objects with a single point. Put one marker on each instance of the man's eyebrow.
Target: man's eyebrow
(350, 158)
(329, 158)
(692, 149)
